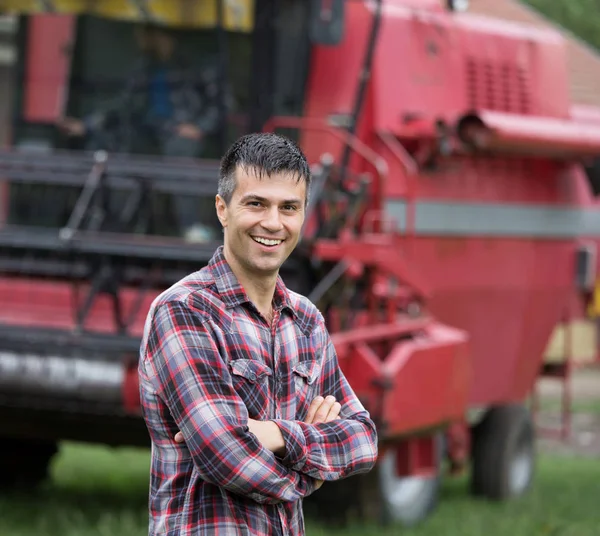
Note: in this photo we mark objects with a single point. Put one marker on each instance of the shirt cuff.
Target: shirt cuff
(295, 444)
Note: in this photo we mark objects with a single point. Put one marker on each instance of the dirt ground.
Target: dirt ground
(584, 437)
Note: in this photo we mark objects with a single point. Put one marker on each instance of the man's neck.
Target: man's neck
(260, 290)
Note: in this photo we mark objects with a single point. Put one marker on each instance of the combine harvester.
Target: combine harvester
(452, 236)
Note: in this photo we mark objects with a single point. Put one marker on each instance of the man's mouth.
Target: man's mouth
(267, 241)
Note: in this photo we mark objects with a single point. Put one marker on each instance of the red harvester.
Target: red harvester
(452, 235)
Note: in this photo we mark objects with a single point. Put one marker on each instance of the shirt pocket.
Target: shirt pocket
(250, 381)
(306, 374)
(250, 370)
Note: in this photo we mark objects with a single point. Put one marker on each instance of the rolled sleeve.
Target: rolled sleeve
(295, 444)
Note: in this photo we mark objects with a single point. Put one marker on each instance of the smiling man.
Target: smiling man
(246, 406)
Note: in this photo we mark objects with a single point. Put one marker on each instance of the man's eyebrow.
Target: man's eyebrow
(255, 197)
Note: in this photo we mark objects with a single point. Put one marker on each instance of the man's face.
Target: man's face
(163, 45)
(263, 220)
(154, 42)
(143, 40)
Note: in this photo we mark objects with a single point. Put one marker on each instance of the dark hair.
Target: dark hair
(264, 154)
(150, 27)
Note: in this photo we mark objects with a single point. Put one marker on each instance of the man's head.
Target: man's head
(156, 41)
(263, 192)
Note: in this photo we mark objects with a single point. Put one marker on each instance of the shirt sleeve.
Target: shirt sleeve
(194, 382)
(337, 449)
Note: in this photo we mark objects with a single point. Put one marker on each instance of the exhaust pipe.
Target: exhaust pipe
(502, 133)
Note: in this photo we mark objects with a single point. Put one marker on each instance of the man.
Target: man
(166, 107)
(245, 370)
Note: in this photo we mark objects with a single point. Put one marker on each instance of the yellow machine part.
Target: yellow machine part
(594, 308)
(583, 346)
(584, 336)
(238, 15)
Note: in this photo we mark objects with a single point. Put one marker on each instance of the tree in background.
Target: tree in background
(581, 17)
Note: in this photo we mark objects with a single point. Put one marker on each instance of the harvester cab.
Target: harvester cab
(90, 175)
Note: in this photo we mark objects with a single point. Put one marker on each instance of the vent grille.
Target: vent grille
(503, 87)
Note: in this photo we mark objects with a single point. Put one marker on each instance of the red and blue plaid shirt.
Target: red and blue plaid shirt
(208, 362)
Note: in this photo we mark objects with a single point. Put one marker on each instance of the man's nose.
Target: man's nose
(272, 220)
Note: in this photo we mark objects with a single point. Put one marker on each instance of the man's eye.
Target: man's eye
(289, 207)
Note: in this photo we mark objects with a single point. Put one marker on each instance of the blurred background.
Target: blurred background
(451, 243)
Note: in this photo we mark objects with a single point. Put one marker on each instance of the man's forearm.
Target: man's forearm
(269, 435)
(230, 460)
(330, 451)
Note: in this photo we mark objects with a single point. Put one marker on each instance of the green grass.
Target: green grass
(98, 491)
(581, 405)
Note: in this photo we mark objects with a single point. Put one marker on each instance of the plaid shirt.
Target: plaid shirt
(208, 362)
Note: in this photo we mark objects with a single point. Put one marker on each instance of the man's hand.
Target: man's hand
(323, 410)
(189, 131)
(71, 126)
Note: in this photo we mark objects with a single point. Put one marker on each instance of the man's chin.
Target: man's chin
(266, 267)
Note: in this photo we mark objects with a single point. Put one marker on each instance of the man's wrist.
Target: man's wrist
(295, 444)
(278, 442)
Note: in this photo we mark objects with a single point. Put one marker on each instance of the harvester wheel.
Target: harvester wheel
(407, 500)
(503, 453)
(24, 463)
(379, 496)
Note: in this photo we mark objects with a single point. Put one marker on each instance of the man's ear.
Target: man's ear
(221, 207)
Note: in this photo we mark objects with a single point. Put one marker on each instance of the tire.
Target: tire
(24, 463)
(407, 500)
(503, 455)
(378, 496)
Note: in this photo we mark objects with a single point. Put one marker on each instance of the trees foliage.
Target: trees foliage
(580, 17)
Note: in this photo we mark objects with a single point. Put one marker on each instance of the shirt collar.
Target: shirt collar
(233, 294)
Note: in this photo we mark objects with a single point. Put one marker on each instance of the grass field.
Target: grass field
(590, 406)
(98, 491)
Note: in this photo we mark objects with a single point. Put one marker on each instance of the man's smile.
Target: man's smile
(267, 241)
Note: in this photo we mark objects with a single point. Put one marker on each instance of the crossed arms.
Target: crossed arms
(271, 461)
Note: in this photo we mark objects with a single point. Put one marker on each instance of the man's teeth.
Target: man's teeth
(267, 242)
